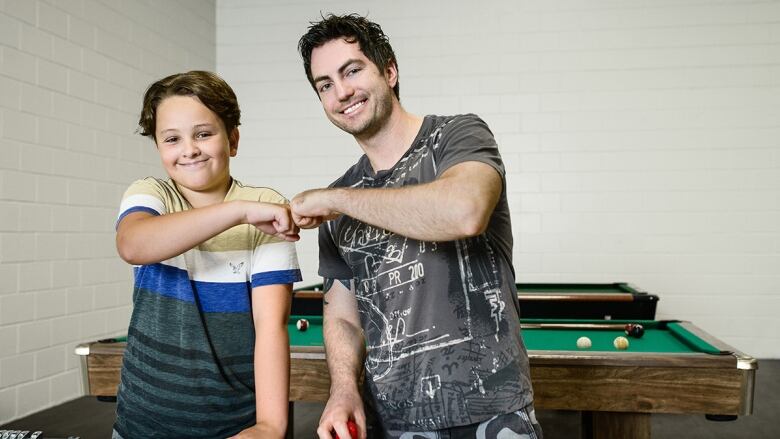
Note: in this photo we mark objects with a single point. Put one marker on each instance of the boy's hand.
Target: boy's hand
(272, 219)
(313, 207)
(259, 431)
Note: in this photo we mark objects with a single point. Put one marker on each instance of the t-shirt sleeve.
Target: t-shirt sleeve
(142, 196)
(274, 261)
(332, 265)
(466, 138)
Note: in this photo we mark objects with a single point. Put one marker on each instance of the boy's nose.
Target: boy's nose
(190, 149)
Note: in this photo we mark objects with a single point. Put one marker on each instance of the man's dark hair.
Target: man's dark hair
(212, 91)
(352, 28)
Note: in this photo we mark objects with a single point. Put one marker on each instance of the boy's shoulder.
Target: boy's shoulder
(241, 191)
(151, 184)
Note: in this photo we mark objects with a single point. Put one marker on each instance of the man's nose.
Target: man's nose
(344, 90)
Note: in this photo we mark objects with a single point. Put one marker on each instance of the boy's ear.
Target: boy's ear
(233, 142)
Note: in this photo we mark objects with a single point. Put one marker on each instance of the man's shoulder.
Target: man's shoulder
(438, 122)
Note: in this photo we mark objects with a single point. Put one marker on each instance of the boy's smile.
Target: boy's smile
(194, 148)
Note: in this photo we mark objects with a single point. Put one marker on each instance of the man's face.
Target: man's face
(355, 95)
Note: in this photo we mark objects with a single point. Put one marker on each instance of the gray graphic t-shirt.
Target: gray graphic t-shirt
(441, 319)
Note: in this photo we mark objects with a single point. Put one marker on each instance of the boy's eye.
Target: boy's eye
(172, 139)
(203, 135)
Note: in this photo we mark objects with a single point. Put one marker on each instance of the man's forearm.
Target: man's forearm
(345, 350)
(446, 209)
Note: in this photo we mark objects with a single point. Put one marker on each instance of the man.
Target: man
(415, 248)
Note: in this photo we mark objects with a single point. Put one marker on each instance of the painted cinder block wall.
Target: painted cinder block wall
(641, 141)
(72, 74)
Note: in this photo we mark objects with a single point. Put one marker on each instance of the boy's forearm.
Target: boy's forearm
(151, 239)
(272, 377)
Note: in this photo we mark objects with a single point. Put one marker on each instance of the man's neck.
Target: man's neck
(387, 145)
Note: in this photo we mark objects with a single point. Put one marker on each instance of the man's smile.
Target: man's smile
(352, 108)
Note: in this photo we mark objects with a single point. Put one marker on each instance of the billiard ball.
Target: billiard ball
(635, 330)
(620, 343)
(584, 343)
(352, 428)
(302, 324)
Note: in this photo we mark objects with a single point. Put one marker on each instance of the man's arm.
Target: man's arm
(143, 238)
(456, 205)
(344, 350)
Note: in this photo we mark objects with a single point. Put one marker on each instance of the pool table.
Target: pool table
(675, 367)
(618, 300)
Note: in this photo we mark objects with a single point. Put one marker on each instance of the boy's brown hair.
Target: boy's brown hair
(209, 88)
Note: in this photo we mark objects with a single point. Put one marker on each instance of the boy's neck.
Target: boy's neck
(198, 199)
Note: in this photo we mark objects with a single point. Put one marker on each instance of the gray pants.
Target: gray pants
(521, 424)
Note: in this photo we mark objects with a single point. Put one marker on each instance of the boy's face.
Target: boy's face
(193, 145)
(355, 95)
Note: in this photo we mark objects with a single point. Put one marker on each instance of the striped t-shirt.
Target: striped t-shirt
(188, 365)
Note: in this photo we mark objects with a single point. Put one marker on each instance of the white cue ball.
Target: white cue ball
(584, 343)
(621, 343)
(302, 324)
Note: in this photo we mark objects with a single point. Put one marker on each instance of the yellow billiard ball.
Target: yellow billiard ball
(584, 343)
(620, 343)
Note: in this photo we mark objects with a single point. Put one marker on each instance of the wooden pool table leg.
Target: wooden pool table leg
(615, 425)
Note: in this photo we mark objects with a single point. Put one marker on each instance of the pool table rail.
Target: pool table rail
(616, 391)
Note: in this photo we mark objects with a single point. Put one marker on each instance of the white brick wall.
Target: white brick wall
(641, 139)
(72, 74)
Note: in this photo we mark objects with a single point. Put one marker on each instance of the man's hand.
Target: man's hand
(313, 207)
(272, 219)
(341, 407)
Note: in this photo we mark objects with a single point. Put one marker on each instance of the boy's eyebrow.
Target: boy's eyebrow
(340, 70)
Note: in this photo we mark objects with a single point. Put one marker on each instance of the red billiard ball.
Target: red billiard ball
(635, 330)
(352, 427)
(302, 324)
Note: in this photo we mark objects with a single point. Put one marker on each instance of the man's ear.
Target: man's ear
(233, 142)
(391, 74)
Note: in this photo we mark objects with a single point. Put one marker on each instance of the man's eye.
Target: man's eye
(324, 87)
(351, 72)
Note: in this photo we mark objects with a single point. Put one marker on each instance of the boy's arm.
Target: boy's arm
(456, 205)
(143, 238)
(270, 311)
(345, 349)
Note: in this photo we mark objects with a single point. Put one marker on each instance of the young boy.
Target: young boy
(207, 352)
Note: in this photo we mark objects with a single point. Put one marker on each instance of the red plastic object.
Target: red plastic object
(352, 427)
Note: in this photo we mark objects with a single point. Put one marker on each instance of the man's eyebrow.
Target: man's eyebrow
(340, 70)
